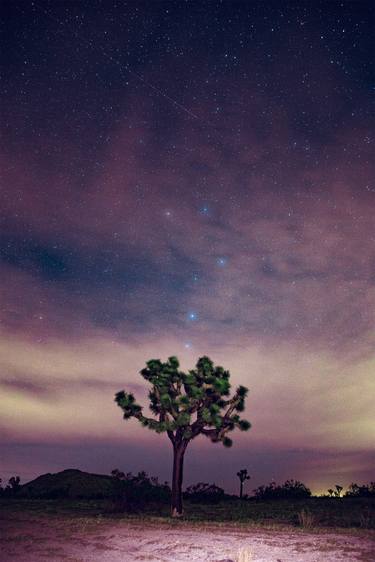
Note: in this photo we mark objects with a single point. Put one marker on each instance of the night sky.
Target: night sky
(188, 178)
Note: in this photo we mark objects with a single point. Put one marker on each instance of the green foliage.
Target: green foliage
(188, 404)
(183, 419)
(206, 415)
(128, 405)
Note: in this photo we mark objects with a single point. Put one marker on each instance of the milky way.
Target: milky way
(187, 178)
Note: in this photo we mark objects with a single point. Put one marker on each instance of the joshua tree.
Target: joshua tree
(185, 406)
(242, 475)
(330, 492)
(338, 491)
(14, 483)
(118, 474)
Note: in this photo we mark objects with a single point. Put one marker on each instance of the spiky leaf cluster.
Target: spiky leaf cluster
(243, 475)
(186, 405)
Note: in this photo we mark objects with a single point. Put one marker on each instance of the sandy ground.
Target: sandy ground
(102, 540)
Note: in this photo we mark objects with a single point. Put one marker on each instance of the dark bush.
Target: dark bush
(133, 492)
(13, 487)
(204, 493)
(361, 491)
(291, 489)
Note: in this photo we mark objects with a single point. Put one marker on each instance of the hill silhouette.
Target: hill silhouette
(70, 483)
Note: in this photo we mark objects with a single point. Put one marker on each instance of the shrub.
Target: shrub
(134, 491)
(362, 491)
(13, 487)
(366, 520)
(204, 493)
(291, 489)
(306, 519)
(244, 555)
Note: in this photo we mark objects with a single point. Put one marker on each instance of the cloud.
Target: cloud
(295, 397)
(105, 252)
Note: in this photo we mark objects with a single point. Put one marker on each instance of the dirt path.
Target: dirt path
(102, 540)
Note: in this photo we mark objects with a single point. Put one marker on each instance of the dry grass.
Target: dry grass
(244, 555)
(306, 519)
(366, 520)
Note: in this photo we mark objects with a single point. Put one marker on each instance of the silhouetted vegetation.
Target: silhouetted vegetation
(70, 483)
(361, 491)
(338, 491)
(123, 494)
(353, 491)
(291, 489)
(127, 491)
(243, 476)
(12, 488)
(185, 406)
(204, 493)
(132, 492)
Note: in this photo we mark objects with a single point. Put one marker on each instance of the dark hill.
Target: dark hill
(69, 483)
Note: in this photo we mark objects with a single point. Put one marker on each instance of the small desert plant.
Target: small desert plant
(365, 520)
(306, 519)
(244, 555)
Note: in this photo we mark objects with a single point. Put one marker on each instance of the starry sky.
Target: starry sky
(188, 178)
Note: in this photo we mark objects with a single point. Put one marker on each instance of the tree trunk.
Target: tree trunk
(241, 489)
(177, 477)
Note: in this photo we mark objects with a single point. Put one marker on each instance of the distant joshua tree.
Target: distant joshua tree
(118, 474)
(13, 486)
(185, 406)
(14, 483)
(330, 492)
(338, 491)
(242, 475)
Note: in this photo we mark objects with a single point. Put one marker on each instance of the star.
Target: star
(204, 210)
(192, 316)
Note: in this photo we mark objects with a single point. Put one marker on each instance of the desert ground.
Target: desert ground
(28, 537)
